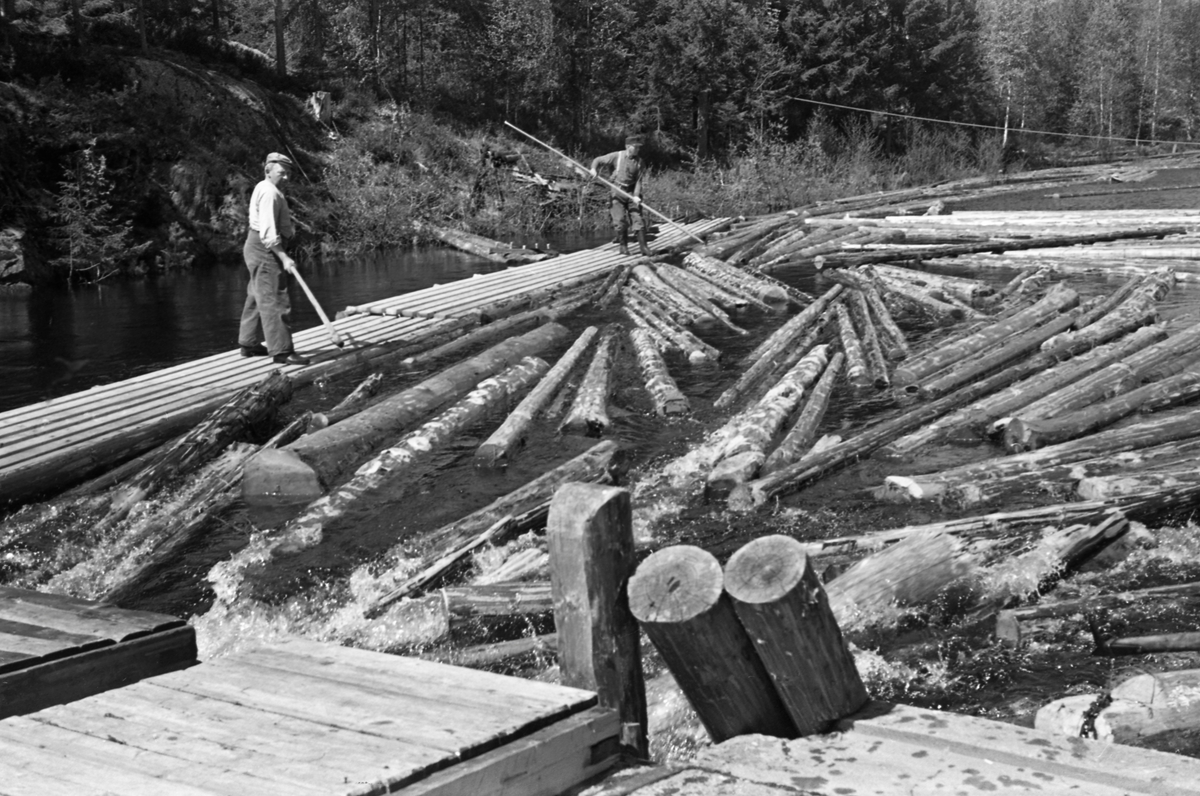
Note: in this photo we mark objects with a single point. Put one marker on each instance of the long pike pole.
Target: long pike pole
(586, 170)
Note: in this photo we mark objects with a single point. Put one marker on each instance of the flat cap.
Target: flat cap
(276, 157)
(634, 138)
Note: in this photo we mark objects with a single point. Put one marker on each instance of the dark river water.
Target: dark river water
(56, 342)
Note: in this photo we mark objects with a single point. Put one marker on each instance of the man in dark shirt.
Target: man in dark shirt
(627, 170)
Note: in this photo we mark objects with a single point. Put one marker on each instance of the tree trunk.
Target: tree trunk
(1028, 435)
(802, 435)
(505, 440)
(280, 48)
(782, 605)
(668, 399)
(677, 595)
(589, 413)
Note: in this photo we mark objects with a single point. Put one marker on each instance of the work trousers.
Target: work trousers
(267, 303)
(626, 215)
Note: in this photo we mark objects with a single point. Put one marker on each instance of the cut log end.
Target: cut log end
(766, 569)
(675, 584)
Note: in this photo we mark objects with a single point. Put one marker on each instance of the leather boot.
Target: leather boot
(642, 247)
(623, 240)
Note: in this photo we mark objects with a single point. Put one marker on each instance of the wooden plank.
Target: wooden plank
(13, 660)
(46, 647)
(546, 763)
(109, 767)
(83, 617)
(42, 684)
(42, 633)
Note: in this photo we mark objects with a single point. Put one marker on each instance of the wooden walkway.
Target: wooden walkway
(49, 444)
(301, 717)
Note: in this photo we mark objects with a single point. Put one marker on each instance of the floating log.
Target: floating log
(492, 600)
(396, 462)
(804, 432)
(776, 347)
(725, 247)
(963, 479)
(357, 400)
(968, 291)
(1018, 345)
(487, 333)
(657, 338)
(726, 299)
(1009, 621)
(589, 413)
(590, 537)
(480, 656)
(857, 372)
(678, 596)
(1110, 318)
(753, 291)
(791, 239)
(744, 450)
(609, 291)
(481, 246)
(1030, 434)
(1106, 487)
(914, 571)
(529, 562)
(914, 369)
(696, 350)
(667, 296)
(671, 276)
(328, 453)
(1141, 645)
(940, 311)
(1114, 379)
(1142, 707)
(668, 399)
(783, 607)
(505, 440)
(860, 313)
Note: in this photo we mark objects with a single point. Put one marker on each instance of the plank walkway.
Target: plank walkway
(300, 717)
(46, 445)
(55, 649)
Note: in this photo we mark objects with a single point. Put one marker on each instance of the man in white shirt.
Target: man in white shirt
(267, 302)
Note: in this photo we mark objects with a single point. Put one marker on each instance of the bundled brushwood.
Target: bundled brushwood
(589, 412)
(921, 299)
(331, 451)
(968, 291)
(506, 439)
(738, 283)
(745, 450)
(1114, 317)
(1028, 434)
(609, 291)
(1084, 477)
(857, 372)
(507, 515)
(1114, 379)
(658, 291)
(769, 352)
(359, 398)
(668, 399)
(803, 433)
(671, 276)
(1018, 345)
(1183, 426)
(818, 463)
(915, 369)
(860, 313)
(696, 350)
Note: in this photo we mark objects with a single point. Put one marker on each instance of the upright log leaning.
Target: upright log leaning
(504, 440)
(677, 594)
(783, 607)
(589, 413)
(590, 536)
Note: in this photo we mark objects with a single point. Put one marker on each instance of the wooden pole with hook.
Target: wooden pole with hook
(619, 192)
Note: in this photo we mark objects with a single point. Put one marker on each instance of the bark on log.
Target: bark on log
(1006, 351)
(677, 594)
(1058, 300)
(856, 363)
(1107, 487)
(968, 291)
(487, 333)
(939, 311)
(759, 425)
(758, 378)
(588, 416)
(892, 339)
(657, 339)
(724, 248)
(1114, 379)
(963, 480)
(669, 274)
(331, 451)
(1110, 318)
(860, 313)
(356, 401)
(492, 600)
(1008, 622)
(754, 291)
(1141, 645)
(665, 295)
(668, 399)
(1031, 434)
(610, 291)
(791, 239)
(590, 537)
(696, 350)
(725, 299)
(783, 607)
(804, 432)
(480, 656)
(509, 437)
